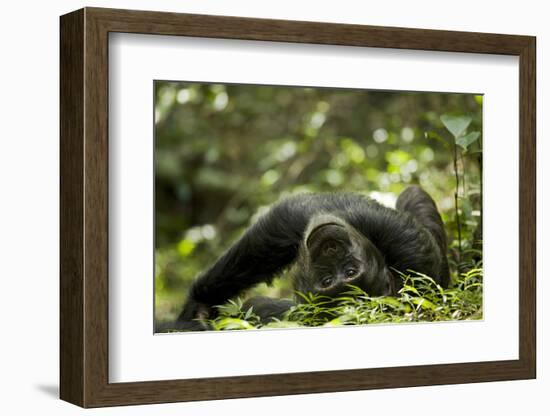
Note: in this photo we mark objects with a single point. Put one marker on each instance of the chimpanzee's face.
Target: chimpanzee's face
(334, 255)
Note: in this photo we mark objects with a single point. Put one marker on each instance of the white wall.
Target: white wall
(29, 209)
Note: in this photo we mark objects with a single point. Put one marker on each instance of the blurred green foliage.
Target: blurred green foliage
(224, 153)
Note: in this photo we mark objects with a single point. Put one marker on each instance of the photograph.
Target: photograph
(304, 206)
(283, 204)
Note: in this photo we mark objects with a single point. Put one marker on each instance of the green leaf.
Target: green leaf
(231, 308)
(282, 324)
(232, 323)
(467, 140)
(390, 301)
(424, 303)
(457, 125)
(409, 288)
(341, 320)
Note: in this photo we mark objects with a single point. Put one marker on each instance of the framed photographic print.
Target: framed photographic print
(255, 207)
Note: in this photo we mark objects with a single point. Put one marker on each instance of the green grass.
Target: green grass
(419, 300)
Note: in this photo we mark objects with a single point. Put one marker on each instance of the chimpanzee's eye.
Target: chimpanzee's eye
(327, 281)
(350, 272)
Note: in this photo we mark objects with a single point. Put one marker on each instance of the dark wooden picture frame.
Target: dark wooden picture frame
(84, 207)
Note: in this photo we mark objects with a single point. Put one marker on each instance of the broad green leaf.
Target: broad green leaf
(457, 125)
(423, 303)
(467, 140)
(341, 320)
(232, 323)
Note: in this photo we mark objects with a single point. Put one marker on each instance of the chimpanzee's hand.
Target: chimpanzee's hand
(195, 316)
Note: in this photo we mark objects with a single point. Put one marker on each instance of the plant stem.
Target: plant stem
(457, 188)
(463, 166)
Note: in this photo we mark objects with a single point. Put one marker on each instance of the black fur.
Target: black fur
(268, 308)
(376, 240)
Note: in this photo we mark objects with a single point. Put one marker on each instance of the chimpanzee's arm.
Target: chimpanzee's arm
(268, 309)
(264, 250)
(421, 205)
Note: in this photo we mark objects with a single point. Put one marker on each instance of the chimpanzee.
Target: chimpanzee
(331, 241)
